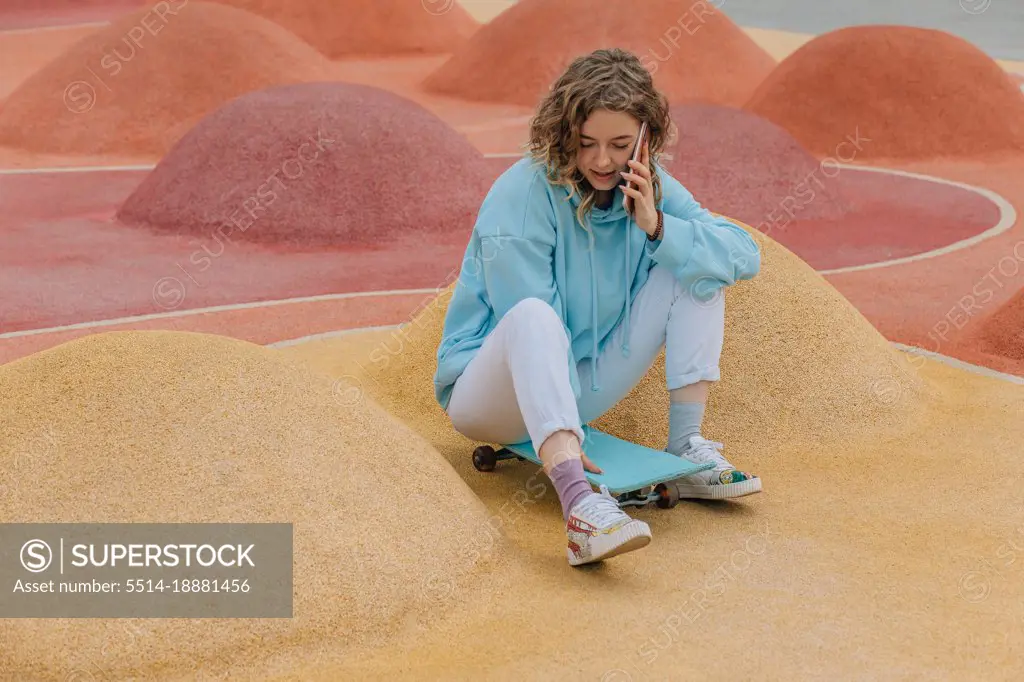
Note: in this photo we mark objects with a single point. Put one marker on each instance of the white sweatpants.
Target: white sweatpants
(517, 386)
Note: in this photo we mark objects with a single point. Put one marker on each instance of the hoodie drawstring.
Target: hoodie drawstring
(594, 386)
(625, 332)
(593, 316)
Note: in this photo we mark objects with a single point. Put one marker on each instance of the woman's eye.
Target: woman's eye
(622, 146)
(586, 146)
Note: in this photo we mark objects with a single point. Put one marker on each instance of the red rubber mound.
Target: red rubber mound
(1003, 332)
(829, 215)
(743, 166)
(23, 14)
(346, 28)
(51, 5)
(693, 50)
(137, 85)
(832, 216)
(320, 164)
(914, 92)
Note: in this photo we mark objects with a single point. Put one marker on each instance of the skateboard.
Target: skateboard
(636, 475)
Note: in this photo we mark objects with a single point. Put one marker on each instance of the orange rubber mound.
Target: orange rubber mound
(347, 28)
(1003, 332)
(914, 92)
(319, 164)
(137, 85)
(694, 51)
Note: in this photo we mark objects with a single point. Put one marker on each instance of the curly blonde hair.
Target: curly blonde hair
(612, 79)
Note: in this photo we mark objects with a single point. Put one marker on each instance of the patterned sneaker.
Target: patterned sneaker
(598, 529)
(722, 482)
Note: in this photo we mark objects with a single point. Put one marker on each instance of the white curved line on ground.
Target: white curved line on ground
(1007, 218)
(977, 369)
(1007, 214)
(73, 169)
(953, 362)
(213, 309)
(329, 335)
(54, 27)
(960, 364)
(494, 125)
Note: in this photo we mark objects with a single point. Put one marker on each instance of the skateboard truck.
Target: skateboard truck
(664, 494)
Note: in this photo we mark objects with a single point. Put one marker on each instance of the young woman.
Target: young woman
(565, 298)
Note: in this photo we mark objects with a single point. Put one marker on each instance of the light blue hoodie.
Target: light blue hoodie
(528, 243)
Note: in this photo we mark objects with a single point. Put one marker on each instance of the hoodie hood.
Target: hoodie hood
(599, 216)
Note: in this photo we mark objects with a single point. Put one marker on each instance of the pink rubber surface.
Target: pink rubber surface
(65, 260)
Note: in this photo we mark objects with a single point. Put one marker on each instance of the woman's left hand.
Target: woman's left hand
(645, 213)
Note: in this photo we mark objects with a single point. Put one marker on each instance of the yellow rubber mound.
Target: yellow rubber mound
(800, 365)
(185, 427)
(800, 362)
(866, 543)
(890, 510)
(136, 86)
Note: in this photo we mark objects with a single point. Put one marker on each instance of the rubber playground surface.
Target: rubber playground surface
(202, 225)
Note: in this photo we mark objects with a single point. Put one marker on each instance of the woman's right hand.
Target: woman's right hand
(590, 466)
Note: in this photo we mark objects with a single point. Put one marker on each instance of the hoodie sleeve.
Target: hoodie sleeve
(700, 247)
(516, 228)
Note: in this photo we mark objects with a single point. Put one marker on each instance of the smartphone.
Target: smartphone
(637, 152)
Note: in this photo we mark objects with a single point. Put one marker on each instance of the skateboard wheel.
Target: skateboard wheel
(484, 458)
(668, 496)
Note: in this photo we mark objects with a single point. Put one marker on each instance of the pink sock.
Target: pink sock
(570, 483)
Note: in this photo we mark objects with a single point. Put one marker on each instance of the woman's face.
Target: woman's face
(606, 144)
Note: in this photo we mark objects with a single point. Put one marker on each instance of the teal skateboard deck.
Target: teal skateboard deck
(628, 469)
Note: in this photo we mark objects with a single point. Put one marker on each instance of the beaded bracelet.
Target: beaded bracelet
(658, 229)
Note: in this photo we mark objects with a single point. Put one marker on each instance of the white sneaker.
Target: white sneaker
(722, 482)
(598, 529)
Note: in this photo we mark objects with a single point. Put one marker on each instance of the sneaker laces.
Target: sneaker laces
(602, 508)
(703, 450)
